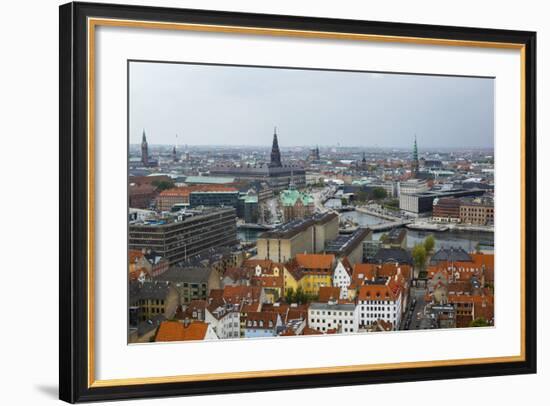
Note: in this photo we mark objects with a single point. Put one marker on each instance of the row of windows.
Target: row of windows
(315, 285)
(156, 310)
(329, 313)
(149, 302)
(378, 308)
(385, 316)
(345, 330)
(376, 302)
(476, 209)
(335, 321)
(255, 323)
(230, 334)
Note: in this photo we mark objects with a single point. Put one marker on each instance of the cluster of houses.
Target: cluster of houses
(310, 294)
(460, 288)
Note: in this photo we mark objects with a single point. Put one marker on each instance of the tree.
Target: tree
(479, 322)
(163, 184)
(312, 298)
(300, 296)
(391, 204)
(419, 255)
(383, 237)
(379, 193)
(361, 196)
(289, 295)
(429, 243)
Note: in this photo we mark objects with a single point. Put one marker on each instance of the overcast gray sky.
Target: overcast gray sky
(225, 105)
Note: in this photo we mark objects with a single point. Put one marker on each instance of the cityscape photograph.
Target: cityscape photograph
(277, 202)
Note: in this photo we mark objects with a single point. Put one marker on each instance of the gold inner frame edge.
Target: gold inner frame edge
(93, 22)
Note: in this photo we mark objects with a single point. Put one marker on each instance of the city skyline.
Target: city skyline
(309, 107)
(323, 146)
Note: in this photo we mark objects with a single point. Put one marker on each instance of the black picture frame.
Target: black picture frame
(73, 255)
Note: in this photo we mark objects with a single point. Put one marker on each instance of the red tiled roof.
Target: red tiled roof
(383, 325)
(177, 331)
(362, 272)
(268, 281)
(195, 306)
(308, 331)
(134, 255)
(216, 294)
(327, 293)
(377, 292)
(253, 263)
(347, 265)
(261, 320)
(234, 294)
(315, 261)
(185, 191)
(236, 274)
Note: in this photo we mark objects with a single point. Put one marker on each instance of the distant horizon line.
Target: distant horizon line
(309, 146)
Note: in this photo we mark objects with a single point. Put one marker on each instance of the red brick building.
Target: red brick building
(141, 196)
(446, 209)
(180, 195)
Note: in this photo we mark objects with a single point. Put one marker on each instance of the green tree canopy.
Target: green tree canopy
(300, 296)
(379, 193)
(163, 184)
(361, 196)
(289, 295)
(479, 322)
(391, 204)
(419, 255)
(429, 243)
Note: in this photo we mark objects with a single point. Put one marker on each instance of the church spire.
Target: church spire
(364, 162)
(275, 153)
(415, 163)
(144, 150)
(174, 152)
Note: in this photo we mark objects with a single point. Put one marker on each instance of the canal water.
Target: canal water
(468, 240)
(246, 234)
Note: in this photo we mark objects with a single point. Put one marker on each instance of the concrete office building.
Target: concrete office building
(349, 246)
(213, 198)
(307, 235)
(422, 203)
(178, 238)
(412, 186)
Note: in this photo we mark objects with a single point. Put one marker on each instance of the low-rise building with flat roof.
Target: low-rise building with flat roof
(308, 235)
(349, 246)
(191, 283)
(422, 203)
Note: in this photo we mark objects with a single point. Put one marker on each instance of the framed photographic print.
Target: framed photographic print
(259, 202)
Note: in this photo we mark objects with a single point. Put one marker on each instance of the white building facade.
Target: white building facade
(379, 302)
(412, 186)
(328, 316)
(225, 321)
(341, 279)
